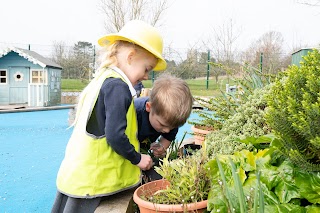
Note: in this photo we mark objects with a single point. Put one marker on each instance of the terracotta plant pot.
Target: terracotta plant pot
(199, 134)
(150, 188)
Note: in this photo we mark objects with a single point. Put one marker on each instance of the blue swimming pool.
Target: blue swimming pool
(32, 146)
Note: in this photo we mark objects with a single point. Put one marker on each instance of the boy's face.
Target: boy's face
(156, 121)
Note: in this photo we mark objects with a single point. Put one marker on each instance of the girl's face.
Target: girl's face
(138, 65)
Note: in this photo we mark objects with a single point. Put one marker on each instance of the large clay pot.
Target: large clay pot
(199, 134)
(150, 188)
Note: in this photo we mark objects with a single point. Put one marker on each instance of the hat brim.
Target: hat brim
(111, 38)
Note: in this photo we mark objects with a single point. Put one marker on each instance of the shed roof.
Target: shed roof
(305, 48)
(31, 56)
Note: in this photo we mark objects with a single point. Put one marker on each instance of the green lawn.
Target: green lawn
(74, 85)
(198, 87)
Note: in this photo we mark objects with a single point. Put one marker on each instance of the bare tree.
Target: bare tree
(59, 51)
(118, 12)
(74, 60)
(174, 59)
(223, 45)
(60, 55)
(83, 53)
(270, 45)
(313, 3)
(223, 40)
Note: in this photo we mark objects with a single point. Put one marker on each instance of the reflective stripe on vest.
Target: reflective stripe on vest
(91, 168)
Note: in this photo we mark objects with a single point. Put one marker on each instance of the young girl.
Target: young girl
(102, 155)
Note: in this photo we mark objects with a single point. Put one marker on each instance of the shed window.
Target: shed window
(3, 76)
(37, 77)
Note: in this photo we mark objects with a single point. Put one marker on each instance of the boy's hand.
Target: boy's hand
(158, 149)
(145, 163)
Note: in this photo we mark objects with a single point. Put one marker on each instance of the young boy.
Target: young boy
(161, 114)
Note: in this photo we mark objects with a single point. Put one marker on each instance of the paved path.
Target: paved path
(25, 108)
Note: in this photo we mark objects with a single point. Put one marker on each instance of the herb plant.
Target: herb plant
(189, 180)
(248, 121)
(294, 112)
(220, 108)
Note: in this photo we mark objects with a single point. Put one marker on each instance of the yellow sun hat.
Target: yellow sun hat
(142, 34)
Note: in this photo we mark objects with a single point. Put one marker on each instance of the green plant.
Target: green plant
(174, 150)
(253, 79)
(248, 121)
(246, 205)
(221, 108)
(189, 180)
(294, 112)
(206, 120)
(262, 181)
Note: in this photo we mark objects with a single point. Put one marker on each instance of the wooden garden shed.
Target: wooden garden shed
(297, 56)
(28, 78)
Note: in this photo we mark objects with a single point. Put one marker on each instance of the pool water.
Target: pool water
(32, 146)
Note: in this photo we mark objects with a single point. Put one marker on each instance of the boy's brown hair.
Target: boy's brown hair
(171, 99)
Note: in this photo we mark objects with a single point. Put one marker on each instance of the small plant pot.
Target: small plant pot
(150, 188)
(188, 147)
(199, 134)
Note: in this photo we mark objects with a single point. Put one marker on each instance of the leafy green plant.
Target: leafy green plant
(189, 180)
(294, 112)
(245, 204)
(261, 181)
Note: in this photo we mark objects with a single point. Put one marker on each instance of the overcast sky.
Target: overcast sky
(40, 22)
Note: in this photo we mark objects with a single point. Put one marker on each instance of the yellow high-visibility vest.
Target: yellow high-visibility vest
(91, 168)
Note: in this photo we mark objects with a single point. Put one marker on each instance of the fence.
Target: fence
(186, 63)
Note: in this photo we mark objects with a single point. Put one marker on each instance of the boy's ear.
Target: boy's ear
(148, 106)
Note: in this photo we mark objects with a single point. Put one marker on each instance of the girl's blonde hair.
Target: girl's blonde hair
(108, 54)
(107, 57)
(171, 99)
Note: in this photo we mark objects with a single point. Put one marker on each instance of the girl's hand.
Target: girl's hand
(145, 163)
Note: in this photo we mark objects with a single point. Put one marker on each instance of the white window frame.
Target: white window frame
(41, 80)
(4, 77)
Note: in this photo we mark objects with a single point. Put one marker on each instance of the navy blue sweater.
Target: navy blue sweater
(109, 118)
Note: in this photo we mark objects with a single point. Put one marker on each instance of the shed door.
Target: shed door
(18, 81)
